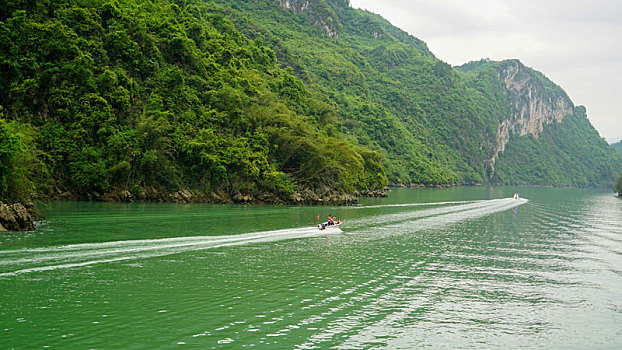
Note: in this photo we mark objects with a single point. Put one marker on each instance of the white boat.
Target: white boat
(325, 226)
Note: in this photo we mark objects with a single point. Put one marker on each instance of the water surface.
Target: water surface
(455, 268)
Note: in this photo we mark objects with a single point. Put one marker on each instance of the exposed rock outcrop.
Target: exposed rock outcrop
(321, 196)
(535, 105)
(371, 193)
(17, 217)
(318, 13)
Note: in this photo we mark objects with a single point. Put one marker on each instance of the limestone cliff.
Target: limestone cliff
(534, 100)
(318, 13)
(483, 122)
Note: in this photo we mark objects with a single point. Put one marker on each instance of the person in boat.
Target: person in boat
(330, 222)
(334, 221)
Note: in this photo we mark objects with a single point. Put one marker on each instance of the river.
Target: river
(464, 267)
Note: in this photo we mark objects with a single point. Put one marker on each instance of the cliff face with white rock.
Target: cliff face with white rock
(539, 136)
(485, 122)
(535, 102)
(318, 13)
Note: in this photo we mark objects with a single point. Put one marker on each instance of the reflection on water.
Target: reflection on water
(455, 272)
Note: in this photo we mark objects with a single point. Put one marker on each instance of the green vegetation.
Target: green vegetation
(435, 124)
(125, 94)
(553, 158)
(618, 146)
(392, 94)
(249, 97)
(20, 162)
(618, 185)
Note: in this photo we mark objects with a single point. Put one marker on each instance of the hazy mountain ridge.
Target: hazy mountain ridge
(542, 137)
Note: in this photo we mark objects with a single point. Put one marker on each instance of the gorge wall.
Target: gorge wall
(534, 102)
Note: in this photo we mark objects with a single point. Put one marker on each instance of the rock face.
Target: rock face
(371, 193)
(298, 6)
(534, 103)
(318, 196)
(318, 13)
(16, 217)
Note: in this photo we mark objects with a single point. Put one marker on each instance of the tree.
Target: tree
(618, 186)
(20, 167)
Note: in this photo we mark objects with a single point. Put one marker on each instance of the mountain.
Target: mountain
(618, 146)
(158, 100)
(483, 122)
(542, 138)
(266, 101)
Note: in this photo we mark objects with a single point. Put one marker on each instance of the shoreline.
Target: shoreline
(21, 216)
(18, 216)
(323, 196)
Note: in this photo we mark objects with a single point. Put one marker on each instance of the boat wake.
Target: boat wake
(15, 262)
(449, 212)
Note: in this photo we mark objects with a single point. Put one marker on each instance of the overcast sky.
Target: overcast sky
(577, 44)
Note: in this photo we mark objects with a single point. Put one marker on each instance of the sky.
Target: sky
(576, 44)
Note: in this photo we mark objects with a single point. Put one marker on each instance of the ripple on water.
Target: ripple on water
(469, 274)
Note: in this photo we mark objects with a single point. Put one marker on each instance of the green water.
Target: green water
(469, 269)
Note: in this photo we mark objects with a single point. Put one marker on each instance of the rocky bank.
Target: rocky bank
(321, 196)
(17, 217)
(21, 217)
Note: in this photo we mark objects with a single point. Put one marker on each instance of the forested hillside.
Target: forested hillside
(155, 96)
(265, 101)
(436, 125)
(618, 185)
(391, 92)
(543, 139)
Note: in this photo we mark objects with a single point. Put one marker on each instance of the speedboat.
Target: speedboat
(325, 226)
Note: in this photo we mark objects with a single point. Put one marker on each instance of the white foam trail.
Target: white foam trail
(359, 321)
(455, 215)
(82, 254)
(20, 261)
(410, 215)
(415, 204)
